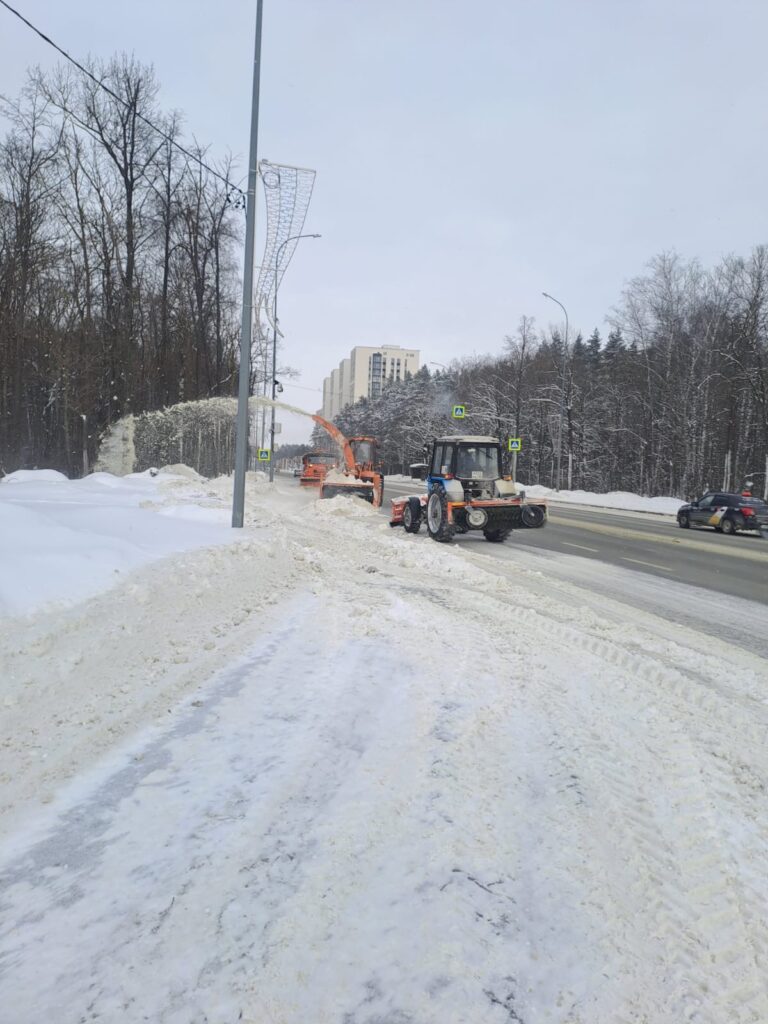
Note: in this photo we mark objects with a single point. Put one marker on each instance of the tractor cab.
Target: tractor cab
(470, 467)
(365, 452)
(320, 459)
(314, 467)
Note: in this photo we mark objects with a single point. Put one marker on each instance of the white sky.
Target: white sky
(468, 156)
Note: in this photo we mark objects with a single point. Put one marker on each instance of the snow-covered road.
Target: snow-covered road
(339, 774)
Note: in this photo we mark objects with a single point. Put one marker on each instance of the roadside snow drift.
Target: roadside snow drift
(335, 774)
(64, 540)
(613, 499)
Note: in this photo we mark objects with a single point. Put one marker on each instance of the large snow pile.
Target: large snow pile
(65, 540)
(337, 774)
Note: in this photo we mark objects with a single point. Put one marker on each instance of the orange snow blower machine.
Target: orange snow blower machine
(361, 475)
(314, 466)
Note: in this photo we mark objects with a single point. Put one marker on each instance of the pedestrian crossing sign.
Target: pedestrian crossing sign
(264, 454)
(514, 444)
(459, 412)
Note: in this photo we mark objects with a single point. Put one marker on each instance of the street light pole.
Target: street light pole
(241, 444)
(84, 418)
(293, 238)
(562, 392)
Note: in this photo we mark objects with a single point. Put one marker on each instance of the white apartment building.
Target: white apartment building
(364, 373)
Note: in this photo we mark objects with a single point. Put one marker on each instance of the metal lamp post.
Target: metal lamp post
(562, 393)
(241, 447)
(278, 253)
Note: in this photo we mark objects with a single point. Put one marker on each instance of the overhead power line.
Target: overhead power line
(168, 138)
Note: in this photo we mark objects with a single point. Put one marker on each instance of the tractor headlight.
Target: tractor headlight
(477, 517)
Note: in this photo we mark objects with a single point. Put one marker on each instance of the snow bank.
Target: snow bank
(614, 499)
(398, 478)
(64, 540)
(25, 476)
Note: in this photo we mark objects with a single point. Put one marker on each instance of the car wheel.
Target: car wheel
(437, 516)
(727, 526)
(412, 515)
(683, 521)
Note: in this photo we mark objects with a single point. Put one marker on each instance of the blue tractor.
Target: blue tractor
(467, 490)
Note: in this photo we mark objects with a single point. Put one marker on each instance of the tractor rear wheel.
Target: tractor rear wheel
(412, 515)
(437, 516)
(496, 536)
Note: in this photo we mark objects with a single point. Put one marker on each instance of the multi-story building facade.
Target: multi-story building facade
(364, 373)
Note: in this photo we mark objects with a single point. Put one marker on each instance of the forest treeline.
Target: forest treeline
(673, 400)
(119, 264)
(119, 293)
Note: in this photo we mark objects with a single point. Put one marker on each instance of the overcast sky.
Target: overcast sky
(468, 155)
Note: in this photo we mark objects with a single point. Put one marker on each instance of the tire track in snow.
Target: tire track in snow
(713, 712)
(176, 871)
(705, 907)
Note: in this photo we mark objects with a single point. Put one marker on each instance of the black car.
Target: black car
(728, 513)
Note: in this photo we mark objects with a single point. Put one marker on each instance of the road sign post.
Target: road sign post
(514, 445)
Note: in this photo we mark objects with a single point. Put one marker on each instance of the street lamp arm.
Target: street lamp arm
(562, 390)
(553, 299)
(291, 238)
(278, 253)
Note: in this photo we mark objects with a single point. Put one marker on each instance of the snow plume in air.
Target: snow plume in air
(198, 434)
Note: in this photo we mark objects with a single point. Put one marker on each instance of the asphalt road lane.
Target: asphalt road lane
(646, 543)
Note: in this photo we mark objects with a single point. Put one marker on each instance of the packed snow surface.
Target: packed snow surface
(332, 773)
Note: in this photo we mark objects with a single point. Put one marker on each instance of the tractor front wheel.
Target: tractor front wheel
(412, 515)
(437, 516)
(532, 515)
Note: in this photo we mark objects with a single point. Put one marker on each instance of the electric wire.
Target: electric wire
(115, 96)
